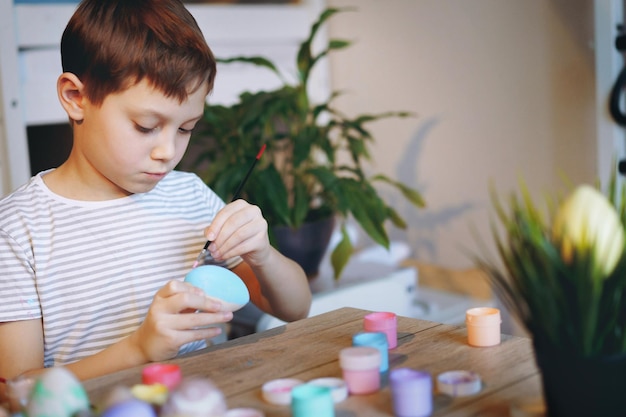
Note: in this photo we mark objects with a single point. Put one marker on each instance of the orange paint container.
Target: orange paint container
(483, 326)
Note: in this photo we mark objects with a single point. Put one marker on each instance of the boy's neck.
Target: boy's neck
(69, 182)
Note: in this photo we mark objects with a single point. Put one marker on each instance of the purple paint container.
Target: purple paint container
(412, 392)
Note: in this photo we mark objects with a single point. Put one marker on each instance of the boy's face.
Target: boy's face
(135, 137)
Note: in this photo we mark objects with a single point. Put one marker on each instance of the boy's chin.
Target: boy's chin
(140, 190)
(142, 185)
(137, 188)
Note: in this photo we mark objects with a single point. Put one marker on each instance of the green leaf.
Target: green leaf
(411, 194)
(341, 253)
(305, 60)
(272, 197)
(301, 204)
(366, 206)
(334, 44)
(396, 219)
(255, 60)
(302, 144)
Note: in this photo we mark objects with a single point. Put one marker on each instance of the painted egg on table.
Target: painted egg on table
(195, 397)
(220, 283)
(57, 393)
(130, 408)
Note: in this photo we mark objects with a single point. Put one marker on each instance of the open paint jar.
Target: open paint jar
(483, 326)
(411, 392)
(383, 321)
(361, 369)
(376, 340)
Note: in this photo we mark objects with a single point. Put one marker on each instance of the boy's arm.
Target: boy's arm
(21, 353)
(280, 288)
(239, 229)
(171, 322)
(21, 349)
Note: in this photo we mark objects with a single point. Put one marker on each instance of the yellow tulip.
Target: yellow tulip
(587, 221)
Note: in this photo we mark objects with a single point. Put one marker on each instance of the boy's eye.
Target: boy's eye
(142, 129)
(185, 131)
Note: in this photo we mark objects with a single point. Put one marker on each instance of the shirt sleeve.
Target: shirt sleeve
(18, 289)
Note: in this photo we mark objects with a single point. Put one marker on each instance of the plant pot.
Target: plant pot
(582, 386)
(305, 245)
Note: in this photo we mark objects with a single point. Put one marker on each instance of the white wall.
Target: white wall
(502, 89)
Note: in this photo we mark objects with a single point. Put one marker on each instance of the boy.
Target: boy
(93, 253)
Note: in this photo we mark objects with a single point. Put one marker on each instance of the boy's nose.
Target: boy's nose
(165, 149)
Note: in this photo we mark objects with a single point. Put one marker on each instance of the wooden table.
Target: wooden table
(309, 349)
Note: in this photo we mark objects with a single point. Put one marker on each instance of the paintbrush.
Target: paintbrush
(204, 251)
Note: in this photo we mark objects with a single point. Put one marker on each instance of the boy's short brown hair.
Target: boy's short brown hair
(111, 45)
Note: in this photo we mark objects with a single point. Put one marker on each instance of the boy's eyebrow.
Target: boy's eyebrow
(160, 115)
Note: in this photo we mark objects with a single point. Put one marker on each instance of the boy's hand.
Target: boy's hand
(239, 229)
(172, 321)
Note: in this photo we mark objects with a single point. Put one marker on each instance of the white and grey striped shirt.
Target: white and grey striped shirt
(90, 269)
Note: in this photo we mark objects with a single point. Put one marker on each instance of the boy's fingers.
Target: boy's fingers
(189, 336)
(222, 216)
(176, 287)
(181, 296)
(200, 320)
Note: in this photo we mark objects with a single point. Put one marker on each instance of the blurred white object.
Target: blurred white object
(394, 293)
(397, 252)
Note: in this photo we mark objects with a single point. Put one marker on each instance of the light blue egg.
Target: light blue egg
(130, 408)
(219, 282)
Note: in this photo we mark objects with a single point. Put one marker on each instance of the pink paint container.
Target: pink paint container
(169, 375)
(483, 326)
(412, 392)
(384, 322)
(361, 369)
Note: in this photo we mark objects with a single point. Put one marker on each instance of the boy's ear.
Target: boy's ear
(71, 94)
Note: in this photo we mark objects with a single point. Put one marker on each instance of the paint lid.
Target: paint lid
(169, 375)
(406, 376)
(459, 383)
(359, 358)
(278, 391)
(381, 320)
(337, 386)
(372, 339)
(482, 316)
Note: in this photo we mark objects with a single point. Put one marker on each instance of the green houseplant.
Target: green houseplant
(312, 168)
(564, 276)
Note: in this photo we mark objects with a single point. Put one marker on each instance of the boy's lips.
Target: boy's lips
(157, 175)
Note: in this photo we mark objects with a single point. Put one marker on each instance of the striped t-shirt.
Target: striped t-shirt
(90, 269)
